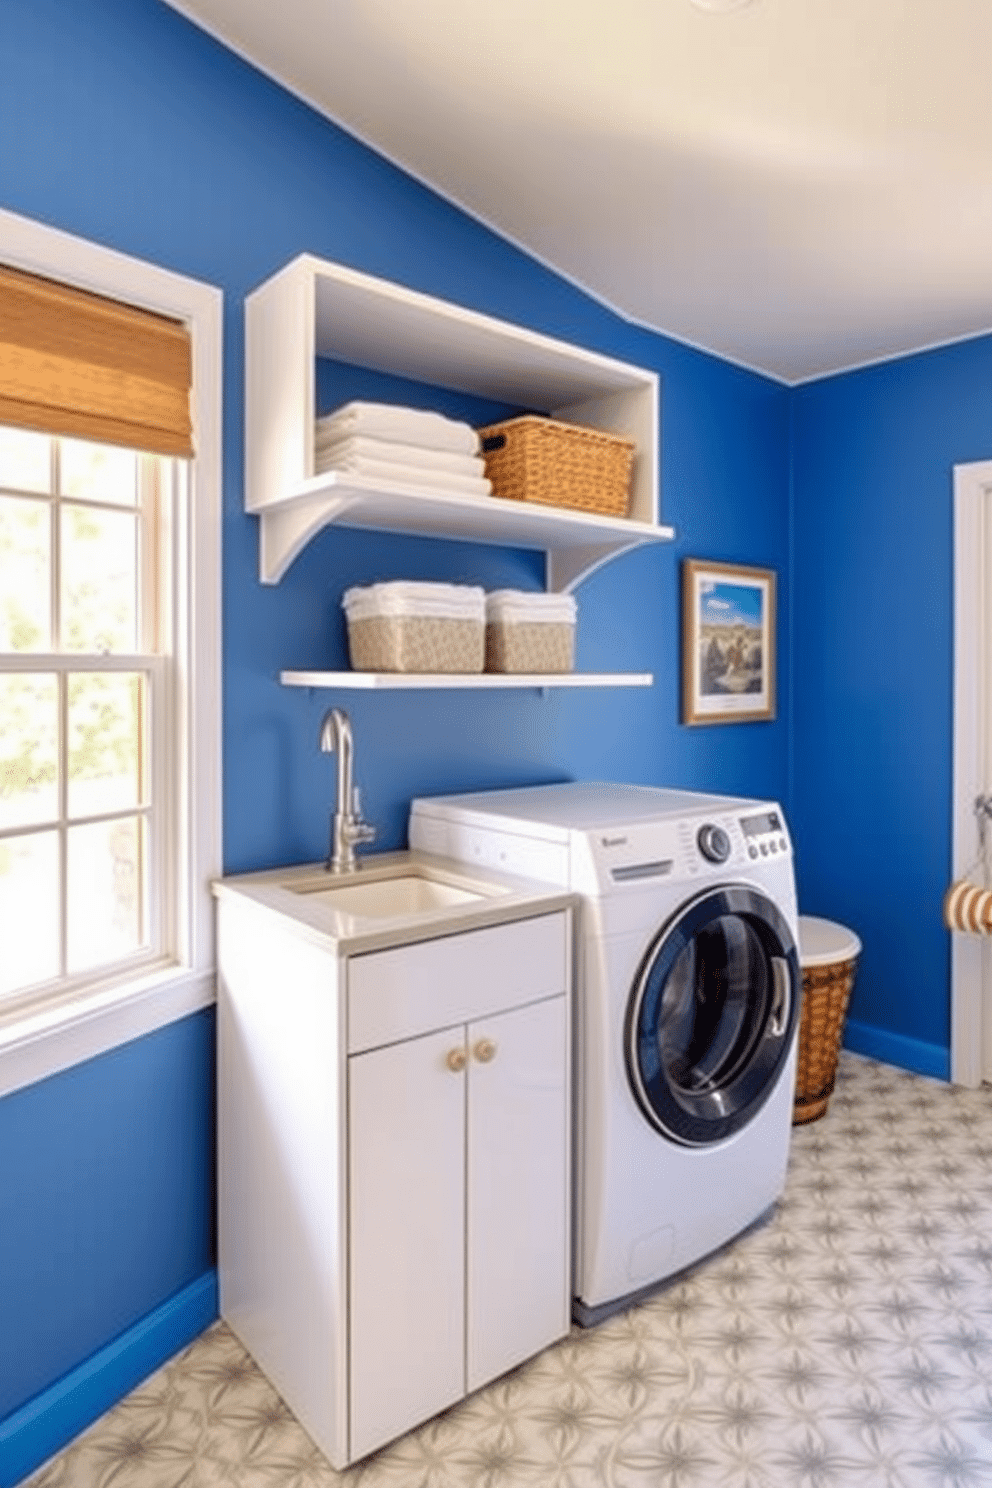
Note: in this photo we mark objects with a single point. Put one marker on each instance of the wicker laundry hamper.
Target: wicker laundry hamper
(828, 955)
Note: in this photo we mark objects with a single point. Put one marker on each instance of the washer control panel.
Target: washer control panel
(764, 834)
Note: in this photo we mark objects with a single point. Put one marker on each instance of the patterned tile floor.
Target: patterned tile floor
(847, 1341)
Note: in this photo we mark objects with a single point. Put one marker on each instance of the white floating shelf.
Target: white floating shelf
(575, 542)
(424, 680)
(313, 308)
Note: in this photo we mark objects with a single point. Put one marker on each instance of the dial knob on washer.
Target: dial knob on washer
(714, 843)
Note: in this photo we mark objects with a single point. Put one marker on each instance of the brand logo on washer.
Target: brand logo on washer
(612, 841)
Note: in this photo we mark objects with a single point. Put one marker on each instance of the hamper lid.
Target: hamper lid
(822, 942)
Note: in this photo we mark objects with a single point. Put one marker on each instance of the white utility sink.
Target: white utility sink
(389, 898)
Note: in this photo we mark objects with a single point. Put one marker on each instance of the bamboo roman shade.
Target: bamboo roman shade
(78, 364)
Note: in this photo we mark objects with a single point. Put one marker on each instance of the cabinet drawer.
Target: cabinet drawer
(412, 989)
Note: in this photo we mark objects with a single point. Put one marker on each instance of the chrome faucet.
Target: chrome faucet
(347, 826)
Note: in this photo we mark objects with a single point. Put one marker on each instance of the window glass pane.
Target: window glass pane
(98, 472)
(29, 910)
(106, 892)
(106, 733)
(28, 749)
(99, 580)
(25, 584)
(25, 460)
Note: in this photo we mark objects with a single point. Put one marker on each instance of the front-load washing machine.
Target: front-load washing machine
(687, 1007)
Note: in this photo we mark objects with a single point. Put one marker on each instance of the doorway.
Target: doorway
(971, 848)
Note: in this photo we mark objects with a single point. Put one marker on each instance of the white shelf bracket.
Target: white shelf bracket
(285, 530)
(566, 568)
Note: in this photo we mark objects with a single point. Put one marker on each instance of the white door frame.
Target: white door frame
(971, 955)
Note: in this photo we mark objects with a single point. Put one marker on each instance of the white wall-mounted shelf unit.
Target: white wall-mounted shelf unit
(313, 308)
(380, 681)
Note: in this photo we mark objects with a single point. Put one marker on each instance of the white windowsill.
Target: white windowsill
(42, 1041)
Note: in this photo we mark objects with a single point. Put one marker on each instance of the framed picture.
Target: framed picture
(728, 643)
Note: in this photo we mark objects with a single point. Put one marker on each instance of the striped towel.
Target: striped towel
(968, 907)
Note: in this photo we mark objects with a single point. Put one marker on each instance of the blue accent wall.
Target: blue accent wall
(122, 123)
(873, 453)
(106, 1200)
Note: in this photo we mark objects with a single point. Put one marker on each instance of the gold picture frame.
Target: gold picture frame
(728, 642)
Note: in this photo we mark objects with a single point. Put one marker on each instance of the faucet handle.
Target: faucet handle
(359, 830)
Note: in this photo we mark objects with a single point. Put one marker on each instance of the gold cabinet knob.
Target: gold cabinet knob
(456, 1060)
(485, 1051)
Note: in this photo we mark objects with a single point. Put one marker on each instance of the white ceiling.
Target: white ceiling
(797, 185)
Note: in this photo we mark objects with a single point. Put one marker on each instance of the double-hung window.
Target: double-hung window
(86, 794)
(109, 647)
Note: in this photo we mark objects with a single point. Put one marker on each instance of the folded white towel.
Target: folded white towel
(410, 598)
(404, 425)
(331, 451)
(391, 473)
(526, 607)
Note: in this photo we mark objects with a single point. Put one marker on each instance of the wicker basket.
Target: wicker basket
(529, 631)
(407, 626)
(555, 464)
(416, 644)
(827, 987)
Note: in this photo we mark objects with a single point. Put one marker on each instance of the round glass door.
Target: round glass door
(713, 1013)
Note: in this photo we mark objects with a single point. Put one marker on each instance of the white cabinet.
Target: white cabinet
(394, 1169)
(459, 1167)
(458, 1151)
(313, 308)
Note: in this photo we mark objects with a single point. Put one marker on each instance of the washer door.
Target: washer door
(711, 1020)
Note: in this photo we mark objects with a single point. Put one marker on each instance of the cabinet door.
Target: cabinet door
(407, 1224)
(518, 1294)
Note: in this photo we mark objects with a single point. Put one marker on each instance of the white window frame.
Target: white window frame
(37, 1041)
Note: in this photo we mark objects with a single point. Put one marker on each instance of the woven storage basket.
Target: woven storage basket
(827, 990)
(529, 632)
(407, 626)
(523, 647)
(555, 464)
(416, 644)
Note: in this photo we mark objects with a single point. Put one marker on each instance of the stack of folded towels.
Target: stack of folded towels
(402, 447)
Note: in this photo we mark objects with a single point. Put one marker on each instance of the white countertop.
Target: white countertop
(295, 894)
